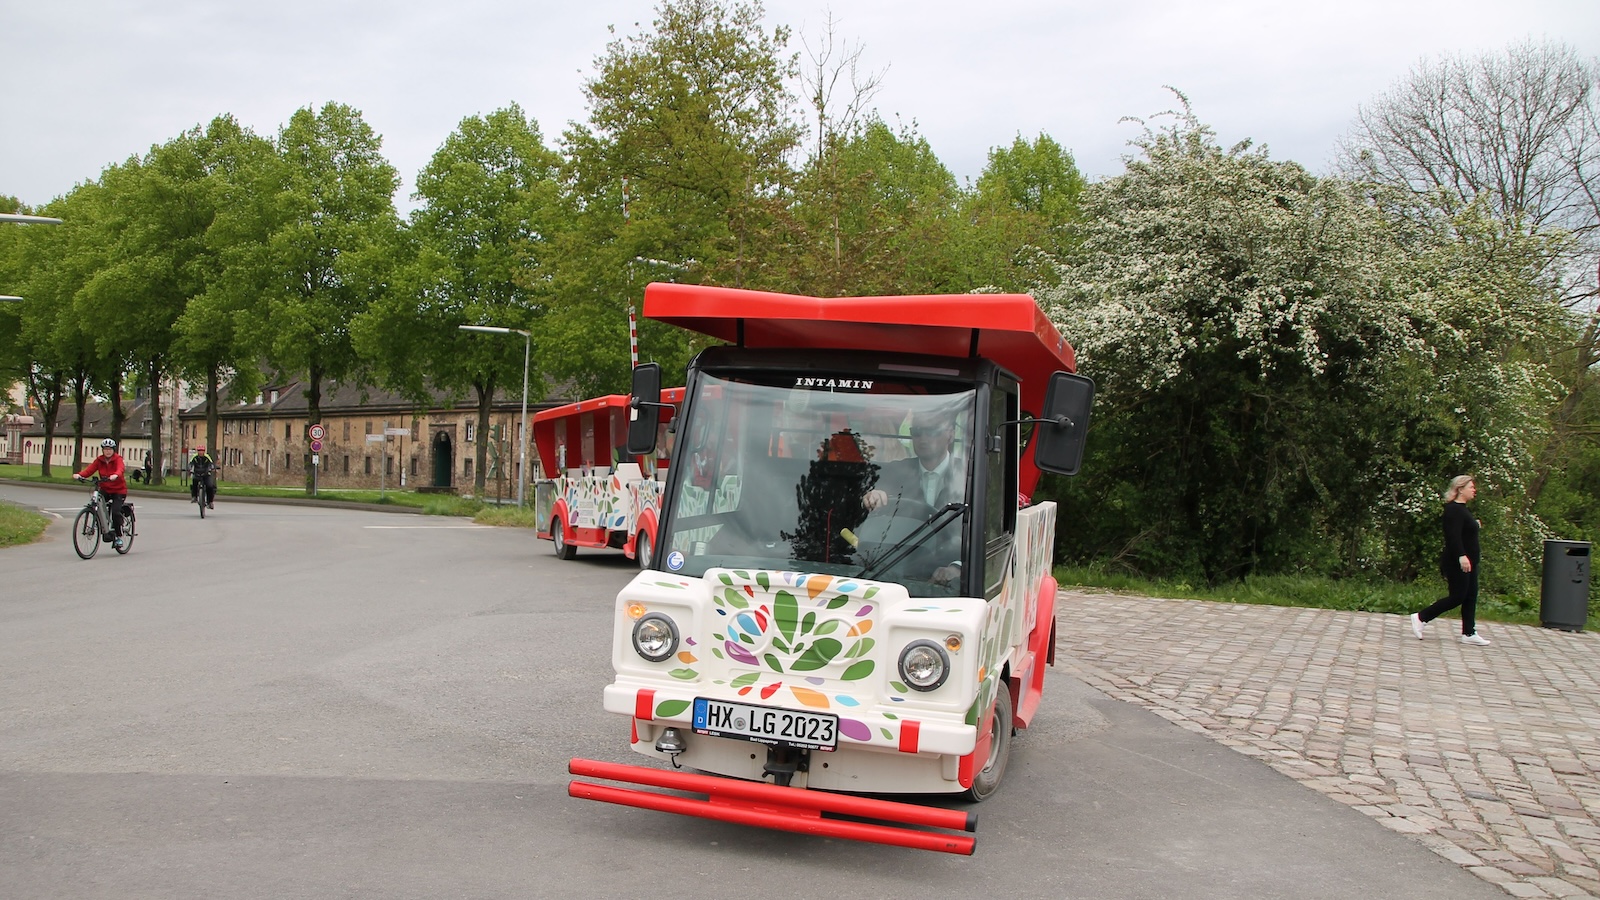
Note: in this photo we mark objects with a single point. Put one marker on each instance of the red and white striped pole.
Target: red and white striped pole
(633, 337)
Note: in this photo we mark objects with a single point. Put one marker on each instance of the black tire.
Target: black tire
(643, 551)
(85, 533)
(558, 536)
(199, 499)
(127, 532)
(987, 779)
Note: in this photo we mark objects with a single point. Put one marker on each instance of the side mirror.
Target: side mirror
(644, 409)
(1064, 424)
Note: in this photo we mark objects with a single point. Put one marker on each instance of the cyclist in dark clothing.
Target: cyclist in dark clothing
(1458, 563)
(203, 471)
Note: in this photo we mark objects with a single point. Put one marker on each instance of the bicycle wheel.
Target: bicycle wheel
(127, 531)
(200, 499)
(85, 533)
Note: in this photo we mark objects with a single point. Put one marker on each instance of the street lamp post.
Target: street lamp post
(522, 425)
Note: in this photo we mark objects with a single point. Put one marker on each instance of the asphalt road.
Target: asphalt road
(282, 702)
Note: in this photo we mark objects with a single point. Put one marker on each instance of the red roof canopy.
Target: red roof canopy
(1009, 329)
(589, 440)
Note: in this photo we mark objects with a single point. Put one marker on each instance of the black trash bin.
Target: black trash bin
(1564, 595)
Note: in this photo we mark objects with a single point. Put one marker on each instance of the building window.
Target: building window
(466, 468)
(413, 465)
(288, 460)
(369, 426)
(415, 430)
(347, 464)
(367, 461)
(347, 429)
(286, 432)
(388, 464)
(472, 432)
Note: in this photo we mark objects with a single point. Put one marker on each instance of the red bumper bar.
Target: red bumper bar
(780, 808)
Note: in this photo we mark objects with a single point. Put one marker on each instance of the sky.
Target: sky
(87, 83)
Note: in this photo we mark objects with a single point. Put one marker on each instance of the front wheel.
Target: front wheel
(558, 536)
(987, 780)
(85, 534)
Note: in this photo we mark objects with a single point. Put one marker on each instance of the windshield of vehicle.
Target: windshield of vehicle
(842, 475)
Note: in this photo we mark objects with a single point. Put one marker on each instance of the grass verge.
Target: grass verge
(20, 526)
(508, 516)
(430, 504)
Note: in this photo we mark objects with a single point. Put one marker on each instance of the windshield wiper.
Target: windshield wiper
(918, 536)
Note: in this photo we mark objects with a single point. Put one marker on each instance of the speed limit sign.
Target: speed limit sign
(317, 432)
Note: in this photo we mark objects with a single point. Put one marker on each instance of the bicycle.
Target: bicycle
(201, 491)
(92, 527)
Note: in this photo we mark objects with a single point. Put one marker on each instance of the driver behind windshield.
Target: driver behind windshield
(923, 483)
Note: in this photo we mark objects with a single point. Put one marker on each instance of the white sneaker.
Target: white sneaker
(1475, 639)
(1416, 625)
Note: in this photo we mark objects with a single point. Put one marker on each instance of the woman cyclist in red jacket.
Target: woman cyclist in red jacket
(113, 483)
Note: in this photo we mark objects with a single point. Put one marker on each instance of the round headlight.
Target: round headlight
(655, 637)
(924, 665)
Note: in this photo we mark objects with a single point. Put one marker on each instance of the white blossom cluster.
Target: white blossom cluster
(1200, 260)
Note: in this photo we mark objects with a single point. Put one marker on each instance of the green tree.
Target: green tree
(224, 176)
(94, 365)
(157, 220)
(677, 173)
(54, 346)
(873, 213)
(330, 251)
(480, 241)
(1019, 216)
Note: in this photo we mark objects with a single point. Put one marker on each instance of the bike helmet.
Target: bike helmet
(108, 442)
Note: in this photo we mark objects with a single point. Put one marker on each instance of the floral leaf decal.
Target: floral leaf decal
(819, 654)
(669, 708)
(858, 671)
(860, 648)
(786, 609)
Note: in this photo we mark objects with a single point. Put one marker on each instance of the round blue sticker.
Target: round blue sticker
(675, 560)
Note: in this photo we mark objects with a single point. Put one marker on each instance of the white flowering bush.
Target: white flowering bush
(1288, 372)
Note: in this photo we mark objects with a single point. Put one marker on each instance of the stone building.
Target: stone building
(431, 449)
(25, 435)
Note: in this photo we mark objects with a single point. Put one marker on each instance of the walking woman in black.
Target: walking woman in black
(1458, 563)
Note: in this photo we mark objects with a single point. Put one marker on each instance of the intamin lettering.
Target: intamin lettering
(832, 384)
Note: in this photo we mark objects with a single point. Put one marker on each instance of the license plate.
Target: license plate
(766, 724)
